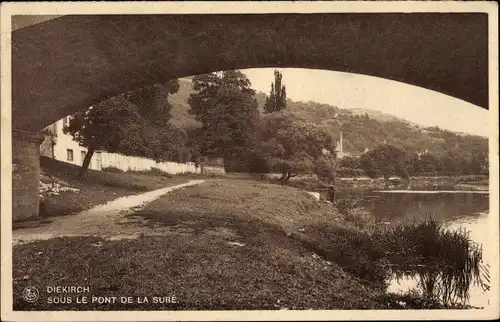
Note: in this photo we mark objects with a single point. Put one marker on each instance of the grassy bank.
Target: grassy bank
(347, 237)
(98, 187)
(229, 244)
(202, 272)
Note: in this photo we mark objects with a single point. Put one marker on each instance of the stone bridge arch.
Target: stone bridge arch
(64, 64)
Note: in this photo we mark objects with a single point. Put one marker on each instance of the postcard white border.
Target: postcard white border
(62, 8)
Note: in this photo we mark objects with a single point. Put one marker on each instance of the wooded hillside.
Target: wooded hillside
(360, 131)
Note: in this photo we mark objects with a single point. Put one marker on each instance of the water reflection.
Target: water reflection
(454, 210)
(477, 227)
(399, 207)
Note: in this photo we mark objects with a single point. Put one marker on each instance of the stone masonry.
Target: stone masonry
(25, 174)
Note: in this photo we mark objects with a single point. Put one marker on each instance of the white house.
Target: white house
(63, 147)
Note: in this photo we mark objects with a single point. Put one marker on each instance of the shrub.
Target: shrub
(360, 218)
(152, 172)
(354, 212)
(357, 253)
(324, 168)
(257, 164)
(344, 206)
(349, 172)
(445, 263)
(112, 169)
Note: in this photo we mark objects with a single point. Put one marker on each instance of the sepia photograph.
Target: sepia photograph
(231, 161)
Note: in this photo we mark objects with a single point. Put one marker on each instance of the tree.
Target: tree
(231, 129)
(478, 162)
(206, 87)
(325, 167)
(291, 146)
(225, 105)
(152, 101)
(133, 123)
(277, 97)
(386, 160)
(424, 164)
(349, 162)
(100, 127)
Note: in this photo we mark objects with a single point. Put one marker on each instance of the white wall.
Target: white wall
(65, 142)
(126, 163)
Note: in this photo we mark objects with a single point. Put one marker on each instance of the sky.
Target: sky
(347, 91)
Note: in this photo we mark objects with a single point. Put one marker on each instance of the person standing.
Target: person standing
(331, 193)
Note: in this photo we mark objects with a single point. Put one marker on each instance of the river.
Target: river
(454, 209)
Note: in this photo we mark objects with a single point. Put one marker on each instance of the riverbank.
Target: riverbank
(230, 244)
(415, 183)
(224, 244)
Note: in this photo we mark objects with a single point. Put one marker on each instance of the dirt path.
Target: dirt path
(108, 220)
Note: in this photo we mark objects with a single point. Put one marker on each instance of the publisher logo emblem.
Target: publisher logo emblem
(30, 294)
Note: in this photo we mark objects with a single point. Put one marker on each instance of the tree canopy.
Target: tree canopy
(277, 97)
(386, 160)
(292, 147)
(206, 87)
(133, 123)
(224, 104)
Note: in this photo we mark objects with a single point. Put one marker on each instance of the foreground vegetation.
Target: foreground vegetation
(238, 244)
(445, 263)
(197, 262)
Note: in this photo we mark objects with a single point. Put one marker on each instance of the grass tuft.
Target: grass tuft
(112, 169)
(445, 262)
(152, 172)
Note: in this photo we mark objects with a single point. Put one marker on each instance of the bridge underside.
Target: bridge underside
(65, 64)
(68, 63)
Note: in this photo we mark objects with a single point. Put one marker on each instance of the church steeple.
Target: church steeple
(341, 148)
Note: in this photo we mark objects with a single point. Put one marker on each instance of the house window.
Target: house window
(66, 121)
(69, 154)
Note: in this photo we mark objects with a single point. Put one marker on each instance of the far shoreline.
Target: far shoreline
(467, 182)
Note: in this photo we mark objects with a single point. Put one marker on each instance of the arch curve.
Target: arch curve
(66, 64)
